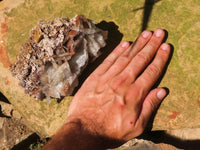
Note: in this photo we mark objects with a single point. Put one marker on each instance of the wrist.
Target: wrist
(93, 134)
(74, 135)
(86, 138)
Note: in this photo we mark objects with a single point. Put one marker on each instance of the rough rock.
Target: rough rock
(181, 108)
(55, 55)
(12, 133)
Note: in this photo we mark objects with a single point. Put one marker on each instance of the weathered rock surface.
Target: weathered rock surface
(181, 109)
(12, 129)
(13, 132)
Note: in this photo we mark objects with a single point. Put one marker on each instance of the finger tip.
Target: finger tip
(162, 93)
(146, 34)
(165, 46)
(159, 32)
(125, 44)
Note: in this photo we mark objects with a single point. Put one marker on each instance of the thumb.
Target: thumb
(150, 104)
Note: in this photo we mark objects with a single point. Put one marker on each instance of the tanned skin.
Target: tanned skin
(116, 101)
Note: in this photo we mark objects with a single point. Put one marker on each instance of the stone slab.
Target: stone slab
(181, 109)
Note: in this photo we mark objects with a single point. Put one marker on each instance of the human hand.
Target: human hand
(117, 99)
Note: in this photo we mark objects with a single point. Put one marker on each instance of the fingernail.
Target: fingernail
(125, 44)
(161, 94)
(158, 32)
(165, 46)
(145, 34)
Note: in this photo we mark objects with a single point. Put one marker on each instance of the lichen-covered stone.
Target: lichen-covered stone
(179, 18)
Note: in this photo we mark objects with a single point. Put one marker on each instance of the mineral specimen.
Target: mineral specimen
(55, 55)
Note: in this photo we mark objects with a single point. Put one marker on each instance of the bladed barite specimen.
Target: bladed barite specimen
(55, 55)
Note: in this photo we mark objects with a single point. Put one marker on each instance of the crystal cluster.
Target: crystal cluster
(55, 54)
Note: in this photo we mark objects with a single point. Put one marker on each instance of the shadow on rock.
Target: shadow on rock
(114, 38)
(163, 137)
(3, 98)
